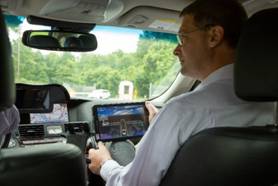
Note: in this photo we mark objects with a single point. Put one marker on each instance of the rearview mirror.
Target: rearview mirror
(59, 40)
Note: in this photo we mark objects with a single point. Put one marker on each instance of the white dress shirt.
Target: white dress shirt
(212, 104)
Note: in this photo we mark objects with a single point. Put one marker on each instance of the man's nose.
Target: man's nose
(176, 51)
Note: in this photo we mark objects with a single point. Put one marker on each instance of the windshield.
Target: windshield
(129, 64)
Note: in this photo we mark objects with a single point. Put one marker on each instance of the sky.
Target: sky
(110, 39)
(113, 39)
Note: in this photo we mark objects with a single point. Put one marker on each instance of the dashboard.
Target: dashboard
(48, 115)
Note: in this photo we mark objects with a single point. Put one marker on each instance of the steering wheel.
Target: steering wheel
(4, 142)
(123, 152)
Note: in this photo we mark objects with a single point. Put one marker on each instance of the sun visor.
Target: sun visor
(155, 19)
(94, 11)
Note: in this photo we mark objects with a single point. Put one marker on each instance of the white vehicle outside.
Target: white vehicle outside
(100, 94)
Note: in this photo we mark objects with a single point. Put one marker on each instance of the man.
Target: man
(207, 39)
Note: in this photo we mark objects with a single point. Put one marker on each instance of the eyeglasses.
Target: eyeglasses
(181, 36)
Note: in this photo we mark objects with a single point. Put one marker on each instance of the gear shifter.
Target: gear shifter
(91, 143)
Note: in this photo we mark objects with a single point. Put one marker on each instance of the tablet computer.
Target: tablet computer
(116, 122)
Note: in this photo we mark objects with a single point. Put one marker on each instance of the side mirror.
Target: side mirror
(59, 40)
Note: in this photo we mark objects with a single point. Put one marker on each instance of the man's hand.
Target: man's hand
(152, 110)
(98, 157)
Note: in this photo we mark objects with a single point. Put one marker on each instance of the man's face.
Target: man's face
(192, 50)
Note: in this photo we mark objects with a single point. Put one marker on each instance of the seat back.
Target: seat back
(44, 165)
(238, 156)
(227, 156)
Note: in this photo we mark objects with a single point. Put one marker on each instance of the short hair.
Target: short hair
(229, 14)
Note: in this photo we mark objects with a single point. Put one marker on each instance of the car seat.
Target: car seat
(232, 156)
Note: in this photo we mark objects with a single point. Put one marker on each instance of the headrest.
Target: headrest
(7, 91)
(256, 66)
(47, 40)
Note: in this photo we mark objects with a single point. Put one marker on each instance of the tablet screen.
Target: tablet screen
(120, 121)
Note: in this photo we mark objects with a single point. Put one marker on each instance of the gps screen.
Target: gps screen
(121, 121)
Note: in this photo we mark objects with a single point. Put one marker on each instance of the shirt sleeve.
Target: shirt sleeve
(156, 149)
(108, 168)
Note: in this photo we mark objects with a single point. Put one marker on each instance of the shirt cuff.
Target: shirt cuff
(107, 168)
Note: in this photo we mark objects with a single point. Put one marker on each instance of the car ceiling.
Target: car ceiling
(157, 15)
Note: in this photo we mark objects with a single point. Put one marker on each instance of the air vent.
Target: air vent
(31, 132)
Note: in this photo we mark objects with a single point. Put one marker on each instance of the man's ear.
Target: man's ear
(216, 35)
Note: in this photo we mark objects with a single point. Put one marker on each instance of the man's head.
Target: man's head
(208, 35)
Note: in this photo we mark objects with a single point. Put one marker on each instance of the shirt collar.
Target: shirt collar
(225, 72)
